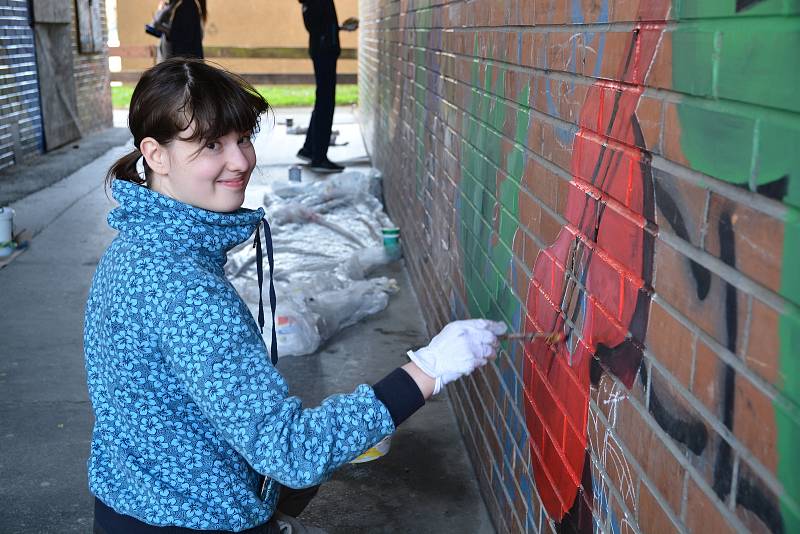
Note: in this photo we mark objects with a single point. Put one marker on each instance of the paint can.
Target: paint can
(391, 237)
(295, 173)
(380, 450)
(7, 244)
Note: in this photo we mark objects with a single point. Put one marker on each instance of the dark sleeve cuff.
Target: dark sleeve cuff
(400, 394)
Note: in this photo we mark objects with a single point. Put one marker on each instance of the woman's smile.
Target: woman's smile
(234, 183)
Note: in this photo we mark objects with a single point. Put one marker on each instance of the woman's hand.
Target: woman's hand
(460, 348)
(349, 25)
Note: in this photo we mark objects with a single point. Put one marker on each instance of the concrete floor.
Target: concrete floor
(425, 484)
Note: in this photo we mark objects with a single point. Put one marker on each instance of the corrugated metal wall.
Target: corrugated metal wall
(20, 116)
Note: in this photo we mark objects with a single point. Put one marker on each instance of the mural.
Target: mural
(577, 287)
(593, 279)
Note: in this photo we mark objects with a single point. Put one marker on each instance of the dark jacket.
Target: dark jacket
(186, 36)
(319, 17)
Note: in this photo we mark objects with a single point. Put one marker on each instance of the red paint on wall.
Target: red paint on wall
(591, 282)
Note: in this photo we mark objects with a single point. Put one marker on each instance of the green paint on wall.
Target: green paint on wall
(748, 131)
(489, 211)
(745, 129)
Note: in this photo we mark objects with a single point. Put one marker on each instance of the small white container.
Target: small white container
(6, 231)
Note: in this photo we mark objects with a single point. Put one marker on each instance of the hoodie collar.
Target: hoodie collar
(146, 215)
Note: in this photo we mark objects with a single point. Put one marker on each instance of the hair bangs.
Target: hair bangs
(222, 104)
(187, 97)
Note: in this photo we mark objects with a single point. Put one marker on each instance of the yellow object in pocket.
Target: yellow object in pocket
(373, 453)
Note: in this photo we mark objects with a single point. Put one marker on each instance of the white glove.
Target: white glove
(460, 348)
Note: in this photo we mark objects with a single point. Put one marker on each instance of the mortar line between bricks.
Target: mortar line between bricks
(734, 482)
(668, 95)
(758, 202)
(474, 381)
(593, 457)
(478, 467)
(514, 480)
(729, 274)
(687, 250)
(441, 7)
(685, 495)
(486, 443)
(599, 465)
(748, 321)
(644, 477)
(781, 116)
(754, 463)
(460, 421)
(630, 517)
(704, 224)
(769, 390)
(617, 267)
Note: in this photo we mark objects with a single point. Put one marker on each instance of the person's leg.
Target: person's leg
(292, 502)
(325, 76)
(306, 150)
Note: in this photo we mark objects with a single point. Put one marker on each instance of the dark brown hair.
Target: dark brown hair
(180, 92)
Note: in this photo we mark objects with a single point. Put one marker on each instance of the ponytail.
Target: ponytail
(125, 169)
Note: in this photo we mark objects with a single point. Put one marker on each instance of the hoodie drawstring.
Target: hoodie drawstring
(273, 352)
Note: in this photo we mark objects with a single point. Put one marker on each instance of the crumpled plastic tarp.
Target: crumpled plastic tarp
(327, 239)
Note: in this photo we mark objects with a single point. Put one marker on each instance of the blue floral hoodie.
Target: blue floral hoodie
(189, 411)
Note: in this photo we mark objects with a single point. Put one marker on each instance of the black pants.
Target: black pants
(107, 521)
(319, 129)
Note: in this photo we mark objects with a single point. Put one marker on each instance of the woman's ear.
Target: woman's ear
(155, 154)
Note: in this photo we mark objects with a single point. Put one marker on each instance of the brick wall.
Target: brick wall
(626, 173)
(20, 116)
(92, 80)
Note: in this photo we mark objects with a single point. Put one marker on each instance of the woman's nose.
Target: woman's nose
(237, 159)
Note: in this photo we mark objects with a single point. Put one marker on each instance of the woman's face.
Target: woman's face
(211, 175)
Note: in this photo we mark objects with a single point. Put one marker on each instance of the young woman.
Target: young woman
(194, 426)
(186, 34)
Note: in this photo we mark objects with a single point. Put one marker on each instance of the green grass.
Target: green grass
(121, 96)
(278, 96)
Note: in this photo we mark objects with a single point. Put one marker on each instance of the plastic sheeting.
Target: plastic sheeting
(327, 239)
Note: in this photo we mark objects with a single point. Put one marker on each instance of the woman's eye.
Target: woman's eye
(212, 145)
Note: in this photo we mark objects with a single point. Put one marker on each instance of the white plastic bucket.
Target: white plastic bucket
(6, 231)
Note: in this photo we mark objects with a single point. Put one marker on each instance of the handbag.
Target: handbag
(162, 19)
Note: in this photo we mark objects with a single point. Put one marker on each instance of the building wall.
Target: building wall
(252, 24)
(20, 115)
(634, 186)
(92, 80)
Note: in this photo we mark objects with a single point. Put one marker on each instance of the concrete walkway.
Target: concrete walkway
(425, 484)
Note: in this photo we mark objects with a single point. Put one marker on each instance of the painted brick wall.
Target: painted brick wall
(627, 173)
(20, 116)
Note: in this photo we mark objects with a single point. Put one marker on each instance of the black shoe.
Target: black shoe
(304, 154)
(326, 167)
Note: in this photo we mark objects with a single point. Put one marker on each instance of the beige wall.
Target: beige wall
(252, 23)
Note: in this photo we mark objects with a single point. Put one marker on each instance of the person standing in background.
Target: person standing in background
(185, 37)
(319, 17)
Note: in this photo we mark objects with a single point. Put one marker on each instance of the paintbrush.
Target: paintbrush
(551, 338)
